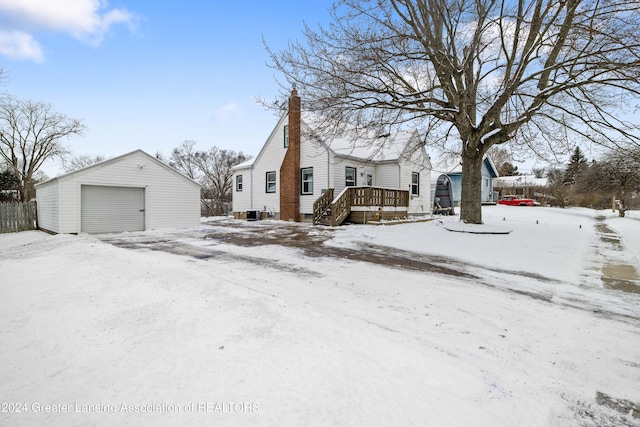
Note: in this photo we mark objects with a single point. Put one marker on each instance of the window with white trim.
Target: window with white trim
(286, 136)
(415, 183)
(350, 176)
(271, 182)
(306, 174)
(238, 182)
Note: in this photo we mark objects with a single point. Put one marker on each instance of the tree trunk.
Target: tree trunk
(471, 198)
(23, 191)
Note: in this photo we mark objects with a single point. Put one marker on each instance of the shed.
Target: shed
(132, 192)
(451, 169)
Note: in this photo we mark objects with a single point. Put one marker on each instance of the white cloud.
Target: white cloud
(19, 45)
(86, 20)
(223, 113)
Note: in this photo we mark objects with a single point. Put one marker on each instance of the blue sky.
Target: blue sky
(151, 74)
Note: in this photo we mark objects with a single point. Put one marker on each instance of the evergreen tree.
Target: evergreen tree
(8, 185)
(577, 164)
(508, 169)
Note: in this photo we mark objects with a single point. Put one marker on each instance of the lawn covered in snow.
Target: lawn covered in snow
(533, 332)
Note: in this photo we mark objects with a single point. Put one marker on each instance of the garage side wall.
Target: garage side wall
(48, 207)
(170, 199)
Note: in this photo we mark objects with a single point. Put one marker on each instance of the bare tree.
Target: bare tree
(539, 172)
(619, 176)
(81, 161)
(183, 159)
(559, 190)
(471, 74)
(210, 168)
(500, 155)
(215, 166)
(30, 134)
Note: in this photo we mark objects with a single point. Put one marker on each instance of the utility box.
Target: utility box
(253, 215)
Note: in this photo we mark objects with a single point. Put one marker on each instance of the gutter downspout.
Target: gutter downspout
(251, 192)
(328, 169)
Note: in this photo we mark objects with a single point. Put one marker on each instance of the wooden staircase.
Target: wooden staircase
(322, 211)
(331, 211)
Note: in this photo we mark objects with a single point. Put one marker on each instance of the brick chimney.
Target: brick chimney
(290, 168)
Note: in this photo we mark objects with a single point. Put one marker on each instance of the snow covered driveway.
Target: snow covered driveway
(247, 330)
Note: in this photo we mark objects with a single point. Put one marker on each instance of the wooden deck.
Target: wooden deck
(362, 204)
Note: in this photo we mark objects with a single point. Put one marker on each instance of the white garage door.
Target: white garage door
(111, 209)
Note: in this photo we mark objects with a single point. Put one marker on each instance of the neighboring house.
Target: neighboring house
(448, 172)
(378, 178)
(132, 192)
(525, 186)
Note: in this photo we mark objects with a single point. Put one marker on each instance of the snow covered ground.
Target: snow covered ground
(538, 327)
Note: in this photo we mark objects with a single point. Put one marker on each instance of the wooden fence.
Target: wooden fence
(18, 216)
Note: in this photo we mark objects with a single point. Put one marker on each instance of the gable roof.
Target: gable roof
(249, 163)
(520, 181)
(453, 166)
(244, 165)
(384, 148)
(114, 160)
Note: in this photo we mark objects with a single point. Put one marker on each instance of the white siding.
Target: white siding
(362, 170)
(388, 176)
(269, 160)
(47, 197)
(111, 209)
(316, 156)
(241, 200)
(171, 200)
(328, 172)
(418, 161)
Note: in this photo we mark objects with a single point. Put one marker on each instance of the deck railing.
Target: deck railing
(334, 212)
(321, 205)
(341, 206)
(378, 196)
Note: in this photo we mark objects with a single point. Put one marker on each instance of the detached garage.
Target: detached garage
(133, 192)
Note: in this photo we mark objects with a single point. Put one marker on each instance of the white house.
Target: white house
(296, 166)
(527, 186)
(132, 192)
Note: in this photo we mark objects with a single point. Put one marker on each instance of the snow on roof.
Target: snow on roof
(380, 148)
(453, 165)
(447, 165)
(245, 164)
(520, 180)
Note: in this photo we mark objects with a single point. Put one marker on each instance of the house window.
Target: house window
(415, 183)
(239, 183)
(271, 182)
(286, 136)
(350, 176)
(307, 180)
(486, 183)
(369, 180)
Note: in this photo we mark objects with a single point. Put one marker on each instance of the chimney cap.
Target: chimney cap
(294, 91)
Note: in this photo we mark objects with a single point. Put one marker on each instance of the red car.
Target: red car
(515, 201)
